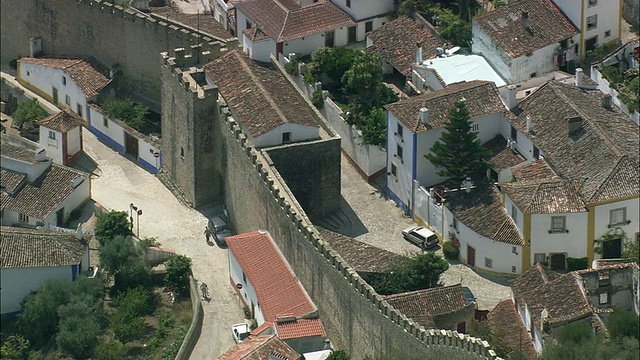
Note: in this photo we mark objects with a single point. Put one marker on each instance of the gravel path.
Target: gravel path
(377, 221)
(119, 182)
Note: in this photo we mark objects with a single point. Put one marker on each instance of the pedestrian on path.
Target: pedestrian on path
(207, 234)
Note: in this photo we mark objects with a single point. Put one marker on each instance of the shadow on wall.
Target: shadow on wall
(343, 221)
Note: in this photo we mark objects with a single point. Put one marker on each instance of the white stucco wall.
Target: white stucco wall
(363, 9)
(247, 292)
(19, 282)
(519, 216)
(146, 151)
(298, 133)
(604, 86)
(494, 54)
(112, 130)
(44, 78)
(79, 195)
(572, 244)
(424, 79)
(52, 146)
(400, 184)
(259, 50)
(540, 62)
(601, 220)
(73, 141)
(220, 11)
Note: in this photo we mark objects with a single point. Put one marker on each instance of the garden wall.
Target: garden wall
(604, 86)
(195, 329)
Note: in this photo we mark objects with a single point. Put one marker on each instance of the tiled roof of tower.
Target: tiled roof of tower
(396, 41)
(88, 74)
(25, 248)
(278, 290)
(40, 198)
(261, 348)
(547, 26)
(423, 305)
(63, 121)
(361, 256)
(545, 197)
(561, 295)
(482, 211)
(603, 155)
(258, 93)
(482, 99)
(299, 328)
(501, 156)
(506, 319)
(285, 20)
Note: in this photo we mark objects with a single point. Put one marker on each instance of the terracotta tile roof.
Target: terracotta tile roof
(299, 328)
(15, 152)
(23, 248)
(89, 74)
(287, 20)
(505, 318)
(10, 180)
(396, 41)
(258, 93)
(603, 156)
(63, 121)
(255, 34)
(40, 198)
(482, 211)
(261, 348)
(278, 290)
(546, 197)
(501, 156)
(482, 99)
(547, 23)
(206, 23)
(534, 172)
(362, 257)
(561, 295)
(423, 305)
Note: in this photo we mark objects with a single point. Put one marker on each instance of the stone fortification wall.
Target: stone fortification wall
(110, 33)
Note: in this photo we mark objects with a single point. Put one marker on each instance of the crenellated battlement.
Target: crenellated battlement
(187, 70)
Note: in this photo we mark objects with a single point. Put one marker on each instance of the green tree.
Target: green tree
(459, 152)
(126, 327)
(80, 323)
(624, 323)
(178, 271)
(27, 114)
(422, 271)
(15, 347)
(339, 355)
(117, 253)
(374, 127)
(495, 337)
(126, 110)
(111, 224)
(593, 348)
(110, 349)
(131, 275)
(138, 301)
(631, 251)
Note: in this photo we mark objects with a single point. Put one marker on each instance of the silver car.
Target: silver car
(219, 229)
(420, 236)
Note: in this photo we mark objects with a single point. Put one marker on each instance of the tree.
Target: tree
(126, 327)
(126, 110)
(15, 347)
(110, 349)
(631, 251)
(27, 114)
(422, 271)
(178, 271)
(137, 301)
(80, 323)
(483, 330)
(624, 323)
(110, 225)
(132, 274)
(339, 355)
(459, 152)
(117, 253)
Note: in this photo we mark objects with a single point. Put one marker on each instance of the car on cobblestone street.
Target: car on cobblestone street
(420, 236)
(240, 332)
(220, 230)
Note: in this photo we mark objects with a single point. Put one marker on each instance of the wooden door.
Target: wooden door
(471, 256)
(131, 145)
(54, 95)
(557, 261)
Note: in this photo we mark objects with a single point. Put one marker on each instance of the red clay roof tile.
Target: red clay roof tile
(300, 328)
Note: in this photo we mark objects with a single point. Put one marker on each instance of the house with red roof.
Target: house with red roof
(61, 136)
(265, 347)
(273, 27)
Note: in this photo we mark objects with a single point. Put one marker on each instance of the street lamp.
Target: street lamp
(133, 208)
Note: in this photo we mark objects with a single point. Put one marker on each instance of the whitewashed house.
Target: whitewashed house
(35, 191)
(368, 15)
(260, 98)
(61, 136)
(68, 83)
(526, 39)
(264, 280)
(273, 27)
(32, 256)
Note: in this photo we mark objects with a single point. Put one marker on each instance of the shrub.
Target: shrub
(126, 327)
(421, 271)
(138, 301)
(15, 347)
(450, 251)
(178, 271)
(131, 275)
(317, 99)
(577, 263)
(111, 349)
(119, 252)
(27, 114)
(339, 355)
(292, 66)
(623, 323)
(110, 225)
(126, 110)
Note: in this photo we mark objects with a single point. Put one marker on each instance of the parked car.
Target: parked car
(240, 332)
(220, 230)
(420, 236)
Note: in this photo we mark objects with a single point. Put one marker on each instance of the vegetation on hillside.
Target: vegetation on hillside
(421, 271)
(27, 114)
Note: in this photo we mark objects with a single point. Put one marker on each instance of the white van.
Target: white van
(420, 236)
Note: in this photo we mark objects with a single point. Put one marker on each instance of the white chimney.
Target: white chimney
(511, 97)
(579, 79)
(418, 53)
(41, 155)
(525, 20)
(76, 181)
(424, 116)
(528, 123)
(79, 231)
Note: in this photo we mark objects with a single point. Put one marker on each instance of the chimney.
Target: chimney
(525, 20)
(579, 75)
(41, 155)
(575, 124)
(418, 53)
(79, 232)
(528, 123)
(606, 101)
(511, 97)
(424, 116)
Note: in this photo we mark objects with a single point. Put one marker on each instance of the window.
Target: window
(79, 110)
(607, 33)
(617, 216)
(348, 3)
(368, 26)
(394, 170)
(533, 74)
(455, 224)
(248, 24)
(286, 137)
(64, 80)
(603, 298)
(558, 224)
(23, 218)
(604, 278)
(539, 258)
(28, 73)
(181, 152)
(52, 135)
(513, 269)
(475, 127)
(592, 22)
(244, 277)
(514, 134)
(514, 213)
(593, 3)
(105, 122)
(67, 100)
(399, 152)
(536, 152)
(399, 132)
(488, 262)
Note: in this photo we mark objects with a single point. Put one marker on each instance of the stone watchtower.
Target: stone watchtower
(190, 121)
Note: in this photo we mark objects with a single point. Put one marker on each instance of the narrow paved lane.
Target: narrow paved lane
(119, 182)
